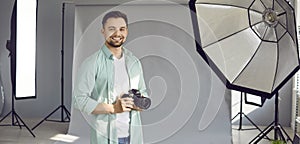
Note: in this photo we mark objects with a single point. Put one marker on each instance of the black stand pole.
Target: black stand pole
(62, 106)
(15, 116)
(278, 130)
(241, 113)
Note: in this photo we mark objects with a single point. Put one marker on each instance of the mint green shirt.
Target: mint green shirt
(95, 84)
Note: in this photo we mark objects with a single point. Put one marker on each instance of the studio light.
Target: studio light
(250, 44)
(25, 84)
(62, 108)
(22, 48)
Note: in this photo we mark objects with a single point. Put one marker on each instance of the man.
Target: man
(103, 78)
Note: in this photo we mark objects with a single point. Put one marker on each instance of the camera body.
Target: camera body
(139, 101)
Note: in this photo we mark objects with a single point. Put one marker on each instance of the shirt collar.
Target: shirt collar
(108, 54)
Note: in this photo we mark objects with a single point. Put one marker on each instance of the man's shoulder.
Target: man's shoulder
(129, 54)
(91, 59)
(93, 56)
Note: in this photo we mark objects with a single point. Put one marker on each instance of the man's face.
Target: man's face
(115, 32)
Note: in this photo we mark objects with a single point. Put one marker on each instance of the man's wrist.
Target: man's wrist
(111, 109)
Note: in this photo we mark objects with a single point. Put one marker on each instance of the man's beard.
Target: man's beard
(115, 45)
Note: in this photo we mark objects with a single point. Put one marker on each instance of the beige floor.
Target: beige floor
(245, 136)
(48, 132)
(45, 133)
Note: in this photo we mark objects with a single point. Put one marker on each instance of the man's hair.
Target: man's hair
(114, 14)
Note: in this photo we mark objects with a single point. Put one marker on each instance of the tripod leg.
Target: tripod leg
(288, 137)
(251, 122)
(278, 134)
(67, 113)
(17, 121)
(254, 125)
(5, 116)
(45, 118)
(262, 132)
(24, 124)
(235, 116)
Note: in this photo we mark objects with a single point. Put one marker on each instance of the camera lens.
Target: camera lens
(142, 102)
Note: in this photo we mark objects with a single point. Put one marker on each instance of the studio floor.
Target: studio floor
(46, 133)
(49, 132)
(245, 136)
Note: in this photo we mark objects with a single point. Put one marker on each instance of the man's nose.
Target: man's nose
(117, 32)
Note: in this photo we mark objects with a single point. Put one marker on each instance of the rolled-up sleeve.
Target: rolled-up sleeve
(142, 86)
(84, 85)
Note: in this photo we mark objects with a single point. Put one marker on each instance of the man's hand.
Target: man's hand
(123, 105)
(136, 108)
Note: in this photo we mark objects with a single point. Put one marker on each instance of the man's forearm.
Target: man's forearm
(103, 108)
(121, 105)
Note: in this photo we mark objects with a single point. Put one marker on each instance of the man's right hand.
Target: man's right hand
(123, 105)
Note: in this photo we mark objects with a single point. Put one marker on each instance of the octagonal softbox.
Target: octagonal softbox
(250, 44)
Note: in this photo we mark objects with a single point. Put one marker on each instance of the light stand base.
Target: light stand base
(18, 119)
(279, 132)
(241, 113)
(63, 110)
(240, 123)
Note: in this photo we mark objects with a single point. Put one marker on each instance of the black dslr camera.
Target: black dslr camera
(139, 101)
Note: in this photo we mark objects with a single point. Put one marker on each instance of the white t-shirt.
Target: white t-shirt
(121, 85)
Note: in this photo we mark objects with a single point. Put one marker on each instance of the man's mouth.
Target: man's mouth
(116, 38)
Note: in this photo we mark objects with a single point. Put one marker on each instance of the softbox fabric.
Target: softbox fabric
(23, 76)
(251, 44)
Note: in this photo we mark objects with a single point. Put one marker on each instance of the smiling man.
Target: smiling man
(103, 78)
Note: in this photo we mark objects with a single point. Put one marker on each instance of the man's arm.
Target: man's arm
(84, 84)
(103, 108)
(121, 105)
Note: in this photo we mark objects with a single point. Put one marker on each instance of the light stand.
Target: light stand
(278, 130)
(241, 113)
(275, 56)
(62, 106)
(14, 115)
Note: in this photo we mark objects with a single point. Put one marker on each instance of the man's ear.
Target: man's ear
(102, 30)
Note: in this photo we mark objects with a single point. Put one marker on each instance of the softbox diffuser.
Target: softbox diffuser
(23, 49)
(250, 44)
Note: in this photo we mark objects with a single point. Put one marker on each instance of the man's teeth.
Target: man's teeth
(116, 38)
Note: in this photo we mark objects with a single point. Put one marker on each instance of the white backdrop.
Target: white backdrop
(190, 104)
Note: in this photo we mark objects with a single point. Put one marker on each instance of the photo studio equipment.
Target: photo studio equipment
(22, 48)
(62, 107)
(251, 100)
(240, 114)
(139, 101)
(251, 45)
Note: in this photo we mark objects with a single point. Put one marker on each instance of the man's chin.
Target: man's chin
(114, 45)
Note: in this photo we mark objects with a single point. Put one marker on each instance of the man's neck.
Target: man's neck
(117, 52)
